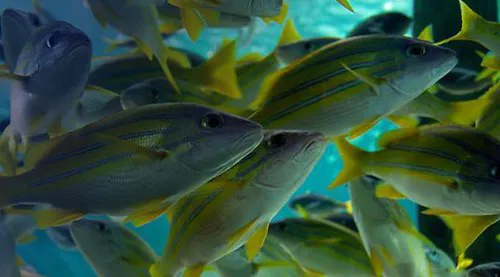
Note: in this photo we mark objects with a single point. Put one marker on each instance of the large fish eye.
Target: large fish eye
(282, 227)
(432, 255)
(416, 50)
(308, 46)
(212, 121)
(52, 40)
(276, 141)
(156, 94)
(101, 227)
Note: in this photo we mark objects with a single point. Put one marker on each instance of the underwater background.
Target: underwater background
(313, 18)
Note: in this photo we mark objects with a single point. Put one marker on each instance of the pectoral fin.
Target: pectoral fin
(194, 271)
(147, 213)
(256, 241)
(236, 236)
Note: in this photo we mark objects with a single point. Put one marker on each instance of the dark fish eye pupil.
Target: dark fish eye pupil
(155, 94)
(416, 50)
(36, 21)
(212, 121)
(276, 141)
(308, 46)
(282, 227)
(52, 41)
(101, 227)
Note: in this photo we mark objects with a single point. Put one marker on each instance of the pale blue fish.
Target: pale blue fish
(135, 163)
(112, 249)
(221, 216)
(61, 236)
(485, 270)
(12, 228)
(17, 28)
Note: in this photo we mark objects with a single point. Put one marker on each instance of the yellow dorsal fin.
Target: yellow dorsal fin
(388, 191)
(193, 22)
(426, 34)
(396, 135)
(238, 234)
(466, 229)
(377, 264)
(463, 262)
(404, 121)
(169, 27)
(254, 244)
(471, 22)
(301, 211)
(348, 207)
(352, 158)
(147, 213)
(289, 33)
(346, 4)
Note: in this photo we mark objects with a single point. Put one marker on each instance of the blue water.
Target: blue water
(312, 18)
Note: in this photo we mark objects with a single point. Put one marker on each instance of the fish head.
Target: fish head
(152, 91)
(57, 54)
(420, 63)
(439, 261)
(104, 240)
(17, 28)
(286, 157)
(209, 140)
(291, 52)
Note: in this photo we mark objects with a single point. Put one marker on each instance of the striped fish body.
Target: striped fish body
(323, 247)
(85, 171)
(448, 167)
(426, 105)
(379, 223)
(205, 222)
(489, 121)
(319, 92)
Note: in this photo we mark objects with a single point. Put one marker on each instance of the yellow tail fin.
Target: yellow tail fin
(218, 73)
(352, 158)
(471, 23)
(289, 33)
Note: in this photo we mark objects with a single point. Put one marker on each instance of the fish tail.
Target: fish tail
(467, 112)
(346, 4)
(218, 73)
(471, 22)
(162, 60)
(289, 33)
(352, 158)
(111, 44)
(193, 22)
(159, 269)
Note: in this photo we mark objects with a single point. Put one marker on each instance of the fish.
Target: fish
(112, 249)
(462, 81)
(343, 219)
(484, 270)
(488, 120)
(114, 44)
(17, 28)
(134, 163)
(449, 169)
(318, 206)
(216, 219)
(389, 23)
(61, 236)
(477, 29)
(12, 228)
(323, 246)
(94, 105)
(195, 13)
(347, 86)
(272, 260)
(291, 52)
(144, 28)
(50, 75)
(395, 246)
(216, 74)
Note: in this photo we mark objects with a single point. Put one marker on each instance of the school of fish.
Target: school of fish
(217, 146)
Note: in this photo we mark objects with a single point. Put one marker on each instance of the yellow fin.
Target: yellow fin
(102, 90)
(396, 135)
(192, 22)
(280, 18)
(177, 57)
(404, 121)
(147, 213)
(374, 83)
(7, 155)
(29, 238)
(376, 261)
(362, 128)
(348, 206)
(308, 272)
(463, 262)
(254, 244)
(12, 76)
(194, 271)
(301, 211)
(249, 58)
(218, 73)
(48, 217)
(466, 229)
(169, 27)
(351, 158)
(388, 191)
(211, 16)
(436, 211)
(346, 4)
(147, 152)
(491, 61)
(471, 22)
(467, 112)
(289, 34)
(236, 236)
(426, 34)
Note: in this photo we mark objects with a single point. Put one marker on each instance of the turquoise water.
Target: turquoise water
(322, 18)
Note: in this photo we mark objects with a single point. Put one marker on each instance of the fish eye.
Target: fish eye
(156, 94)
(308, 46)
(282, 227)
(432, 255)
(276, 141)
(416, 50)
(212, 121)
(52, 40)
(101, 227)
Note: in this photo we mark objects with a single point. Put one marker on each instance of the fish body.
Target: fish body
(388, 235)
(315, 205)
(389, 23)
(61, 236)
(350, 83)
(344, 220)
(12, 227)
(489, 119)
(17, 28)
(122, 162)
(55, 64)
(264, 8)
(323, 246)
(484, 270)
(112, 249)
(211, 222)
(291, 52)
